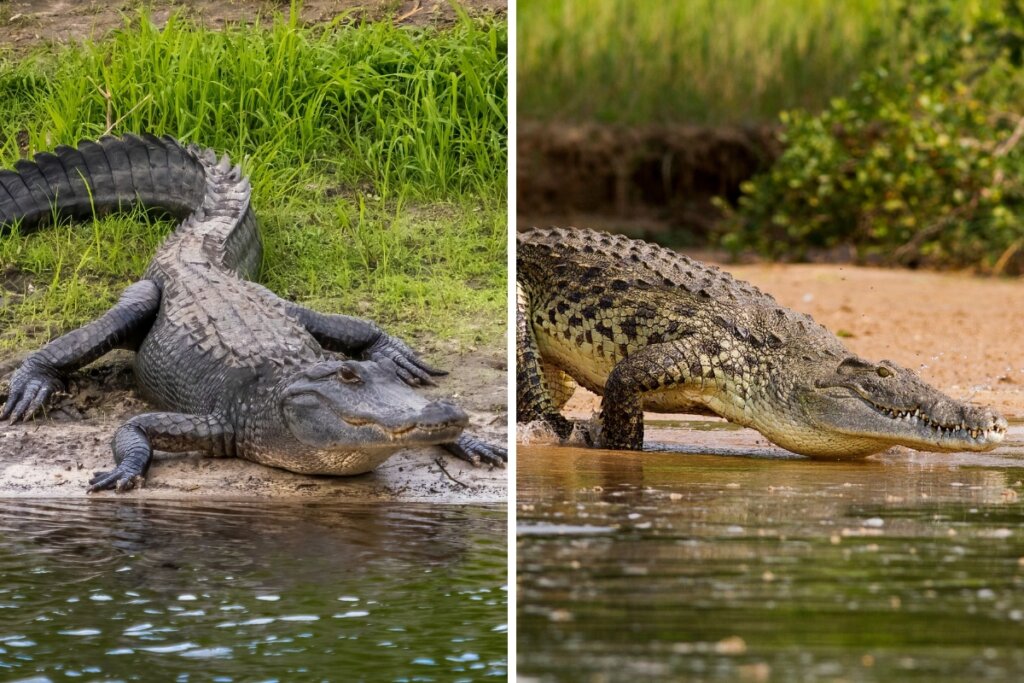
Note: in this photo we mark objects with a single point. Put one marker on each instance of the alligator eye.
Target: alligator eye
(349, 376)
(884, 372)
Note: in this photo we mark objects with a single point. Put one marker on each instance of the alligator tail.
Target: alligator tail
(97, 178)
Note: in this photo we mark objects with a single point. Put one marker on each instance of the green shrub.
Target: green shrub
(919, 164)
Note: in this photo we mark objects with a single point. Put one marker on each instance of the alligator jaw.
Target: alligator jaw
(436, 423)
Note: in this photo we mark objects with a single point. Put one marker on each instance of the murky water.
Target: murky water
(100, 589)
(667, 565)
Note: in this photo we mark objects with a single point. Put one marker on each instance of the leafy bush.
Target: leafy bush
(919, 164)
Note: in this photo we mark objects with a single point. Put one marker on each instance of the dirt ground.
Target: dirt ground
(55, 456)
(962, 333)
(24, 23)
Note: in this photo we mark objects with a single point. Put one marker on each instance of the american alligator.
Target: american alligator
(237, 370)
(650, 329)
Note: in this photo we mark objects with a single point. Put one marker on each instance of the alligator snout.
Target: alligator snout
(442, 413)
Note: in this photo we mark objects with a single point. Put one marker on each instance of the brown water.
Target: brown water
(669, 565)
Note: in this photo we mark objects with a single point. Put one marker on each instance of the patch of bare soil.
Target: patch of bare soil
(54, 456)
(25, 23)
(644, 178)
(962, 333)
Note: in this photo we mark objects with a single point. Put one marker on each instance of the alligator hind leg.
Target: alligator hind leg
(135, 440)
(534, 400)
(650, 369)
(46, 370)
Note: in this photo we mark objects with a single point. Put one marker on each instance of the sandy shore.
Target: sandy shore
(55, 456)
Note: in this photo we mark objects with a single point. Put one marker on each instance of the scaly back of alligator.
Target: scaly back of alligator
(113, 174)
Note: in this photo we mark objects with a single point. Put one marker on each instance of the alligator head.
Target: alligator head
(850, 407)
(345, 417)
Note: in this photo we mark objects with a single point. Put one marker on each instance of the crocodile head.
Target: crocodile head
(851, 407)
(348, 416)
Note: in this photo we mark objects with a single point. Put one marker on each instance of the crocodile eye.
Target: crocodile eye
(349, 376)
(884, 372)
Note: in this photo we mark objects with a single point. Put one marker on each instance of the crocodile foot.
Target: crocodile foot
(476, 451)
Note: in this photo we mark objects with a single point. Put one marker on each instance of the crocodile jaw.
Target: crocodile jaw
(840, 423)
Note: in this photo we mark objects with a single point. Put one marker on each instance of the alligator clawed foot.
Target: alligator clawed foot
(411, 369)
(477, 452)
(120, 479)
(28, 392)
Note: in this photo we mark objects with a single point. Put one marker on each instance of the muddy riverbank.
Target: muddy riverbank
(648, 179)
(55, 455)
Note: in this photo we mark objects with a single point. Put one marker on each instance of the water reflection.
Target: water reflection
(695, 567)
(111, 589)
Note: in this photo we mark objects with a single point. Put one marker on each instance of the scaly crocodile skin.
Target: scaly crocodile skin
(650, 329)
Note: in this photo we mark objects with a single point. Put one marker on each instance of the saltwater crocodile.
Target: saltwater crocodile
(650, 329)
(237, 370)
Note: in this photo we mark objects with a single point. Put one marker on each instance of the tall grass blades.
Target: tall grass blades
(377, 155)
(699, 60)
(423, 109)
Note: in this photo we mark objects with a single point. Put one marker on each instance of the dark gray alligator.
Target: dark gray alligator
(238, 370)
(649, 329)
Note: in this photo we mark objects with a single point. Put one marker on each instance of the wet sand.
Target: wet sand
(54, 456)
(962, 333)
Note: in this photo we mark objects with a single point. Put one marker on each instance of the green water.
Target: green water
(100, 589)
(673, 566)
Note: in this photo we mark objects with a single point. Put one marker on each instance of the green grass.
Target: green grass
(707, 61)
(377, 156)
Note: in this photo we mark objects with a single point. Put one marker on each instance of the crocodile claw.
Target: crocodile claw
(476, 451)
(411, 369)
(29, 390)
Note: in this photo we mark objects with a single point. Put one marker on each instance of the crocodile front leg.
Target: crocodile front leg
(650, 369)
(135, 440)
(46, 370)
(533, 396)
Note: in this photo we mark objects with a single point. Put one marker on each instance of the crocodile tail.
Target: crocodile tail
(97, 178)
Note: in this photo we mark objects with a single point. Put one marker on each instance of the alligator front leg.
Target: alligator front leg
(476, 451)
(46, 370)
(135, 440)
(361, 339)
(533, 395)
(650, 369)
